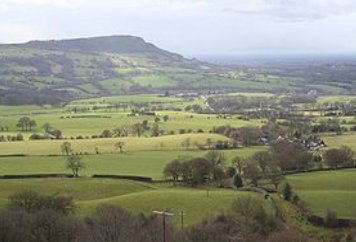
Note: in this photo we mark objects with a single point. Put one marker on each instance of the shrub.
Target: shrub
(330, 219)
(32, 201)
(238, 183)
(287, 192)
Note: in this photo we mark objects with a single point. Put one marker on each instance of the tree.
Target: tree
(287, 192)
(248, 135)
(231, 172)
(343, 156)
(253, 173)
(165, 118)
(186, 143)
(138, 129)
(291, 156)
(249, 208)
(26, 124)
(196, 171)
(273, 173)
(106, 134)
(209, 143)
(238, 181)
(216, 160)
(174, 170)
(238, 162)
(155, 130)
(66, 148)
(32, 201)
(122, 131)
(75, 164)
(47, 127)
(119, 146)
(32, 124)
(19, 137)
(263, 159)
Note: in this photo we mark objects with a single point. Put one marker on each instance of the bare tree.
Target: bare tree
(216, 160)
(66, 148)
(120, 146)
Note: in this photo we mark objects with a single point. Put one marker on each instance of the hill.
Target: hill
(61, 70)
(57, 71)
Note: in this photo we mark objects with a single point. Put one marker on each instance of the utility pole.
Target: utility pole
(164, 214)
(182, 214)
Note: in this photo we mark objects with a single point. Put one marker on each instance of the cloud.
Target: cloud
(293, 10)
(20, 32)
(41, 3)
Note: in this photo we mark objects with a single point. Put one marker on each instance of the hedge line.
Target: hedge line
(14, 155)
(133, 178)
(31, 176)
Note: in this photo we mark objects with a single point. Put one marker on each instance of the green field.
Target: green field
(52, 147)
(335, 141)
(134, 196)
(101, 115)
(147, 163)
(335, 190)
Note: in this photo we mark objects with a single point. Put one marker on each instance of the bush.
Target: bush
(38, 137)
(330, 219)
(287, 192)
(19, 137)
(32, 201)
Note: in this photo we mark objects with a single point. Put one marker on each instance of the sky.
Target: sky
(191, 27)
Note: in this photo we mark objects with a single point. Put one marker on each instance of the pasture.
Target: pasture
(105, 146)
(335, 190)
(133, 196)
(144, 163)
(99, 117)
(336, 141)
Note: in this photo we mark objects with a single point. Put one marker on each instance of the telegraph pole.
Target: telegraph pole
(164, 214)
(182, 214)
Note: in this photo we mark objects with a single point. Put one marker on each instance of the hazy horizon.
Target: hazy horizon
(191, 28)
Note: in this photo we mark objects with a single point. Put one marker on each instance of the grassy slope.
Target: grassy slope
(194, 202)
(329, 189)
(136, 197)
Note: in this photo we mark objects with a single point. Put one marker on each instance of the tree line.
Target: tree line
(261, 168)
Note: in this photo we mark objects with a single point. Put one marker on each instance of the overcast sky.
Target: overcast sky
(191, 26)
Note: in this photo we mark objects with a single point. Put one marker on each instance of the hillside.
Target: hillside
(56, 71)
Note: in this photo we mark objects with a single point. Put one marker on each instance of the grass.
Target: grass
(335, 190)
(193, 202)
(52, 147)
(336, 141)
(109, 120)
(145, 163)
(133, 196)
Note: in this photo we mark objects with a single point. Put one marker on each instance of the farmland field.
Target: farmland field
(335, 190)
(81, 120)
(147, 163)
(134, 196)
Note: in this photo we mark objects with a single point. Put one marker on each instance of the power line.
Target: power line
(164, 214)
